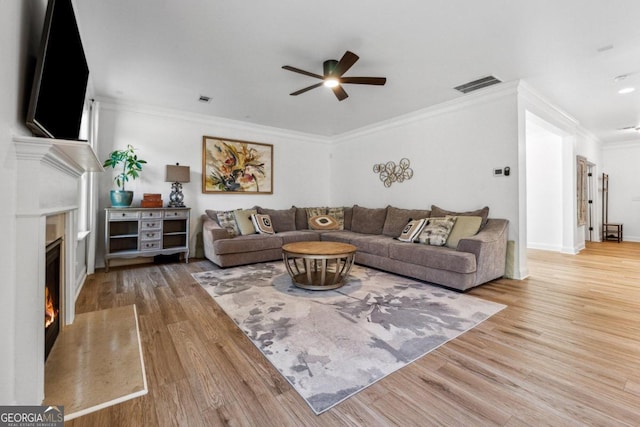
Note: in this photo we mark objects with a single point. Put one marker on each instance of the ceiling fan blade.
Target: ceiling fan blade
(380, 81)
(298, 92)
(340, 93)
(346, 62)
(306, 73)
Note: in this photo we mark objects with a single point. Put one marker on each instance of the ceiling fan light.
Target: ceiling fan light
(331, 82)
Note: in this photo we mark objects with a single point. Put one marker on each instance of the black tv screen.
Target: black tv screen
(61, 75)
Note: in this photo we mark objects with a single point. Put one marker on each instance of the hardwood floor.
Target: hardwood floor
(565, 352)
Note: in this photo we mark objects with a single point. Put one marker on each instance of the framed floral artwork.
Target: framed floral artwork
(231, 166)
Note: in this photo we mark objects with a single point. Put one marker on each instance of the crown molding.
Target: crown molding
(204, 119)
(479, 97)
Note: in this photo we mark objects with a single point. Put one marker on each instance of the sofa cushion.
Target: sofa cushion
(437, 230)
(262, 223)
(442, 258)
(372, 244)
(348, 216)
(367, 220)
(343, 236)
(397, 219)
(301, 218)
(251, 243)
(299, 236)
(412, 230)
(281, 219)
(465, 226)
(212, 214)
(243, 219)
(483, 213)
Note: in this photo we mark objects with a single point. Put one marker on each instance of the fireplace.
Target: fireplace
(52, 295)
(48, 182)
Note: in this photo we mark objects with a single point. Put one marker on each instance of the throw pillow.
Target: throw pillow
(338, 214)
(483, 213)
(311, 212)
(227, 220)
(243, 219)
(465, 226)
(262, 223)
(412, 230)
(323, 222)
(437, 230)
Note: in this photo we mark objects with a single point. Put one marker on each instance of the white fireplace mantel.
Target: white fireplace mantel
(48, 183)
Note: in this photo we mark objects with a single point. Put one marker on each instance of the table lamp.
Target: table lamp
(177, 175)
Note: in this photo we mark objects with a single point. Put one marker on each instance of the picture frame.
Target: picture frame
(581, 189)
(231, 166)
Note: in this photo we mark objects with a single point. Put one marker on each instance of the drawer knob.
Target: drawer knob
(124, 214)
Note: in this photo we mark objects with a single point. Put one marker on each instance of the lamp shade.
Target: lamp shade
(177, 173)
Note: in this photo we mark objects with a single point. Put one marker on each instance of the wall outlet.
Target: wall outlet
(498, 172)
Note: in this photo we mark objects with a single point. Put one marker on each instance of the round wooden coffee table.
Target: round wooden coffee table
(318, 266)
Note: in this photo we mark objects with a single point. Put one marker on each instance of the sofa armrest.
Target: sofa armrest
(211, 231)
(490, 249)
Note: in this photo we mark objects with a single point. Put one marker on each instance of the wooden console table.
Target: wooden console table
(138, 232)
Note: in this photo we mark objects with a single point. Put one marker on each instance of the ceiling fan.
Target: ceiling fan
(333, 76)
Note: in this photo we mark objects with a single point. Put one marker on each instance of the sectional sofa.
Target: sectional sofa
(472, 261)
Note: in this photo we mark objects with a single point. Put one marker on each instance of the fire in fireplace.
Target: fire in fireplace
(52, 295)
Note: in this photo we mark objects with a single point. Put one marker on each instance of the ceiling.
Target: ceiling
(167, 53)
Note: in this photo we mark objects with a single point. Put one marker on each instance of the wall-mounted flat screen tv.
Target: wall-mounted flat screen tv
(61, 75)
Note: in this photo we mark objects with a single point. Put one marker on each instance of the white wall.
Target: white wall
(162, 137)
(575, 141)
(622, 163)
(544, 188)
(20, 27)
(453, 149)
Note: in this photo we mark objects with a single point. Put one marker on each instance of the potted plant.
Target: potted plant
(131, 168)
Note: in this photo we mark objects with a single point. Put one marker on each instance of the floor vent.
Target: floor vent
(478, 84)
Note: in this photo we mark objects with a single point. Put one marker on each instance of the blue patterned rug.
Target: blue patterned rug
(330, 345)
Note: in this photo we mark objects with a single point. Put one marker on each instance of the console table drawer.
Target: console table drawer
(120, 215)
(150, 225)
(150, 245)
(151, 214)
(150, 235)
(176, 214)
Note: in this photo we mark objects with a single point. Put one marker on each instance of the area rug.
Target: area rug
(330, 345)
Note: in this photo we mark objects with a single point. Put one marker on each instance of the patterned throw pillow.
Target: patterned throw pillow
(412, 230)
(338, 214)
(311, 212)
(227, 220)
(262, 223)
(323, 222)
(437, 230)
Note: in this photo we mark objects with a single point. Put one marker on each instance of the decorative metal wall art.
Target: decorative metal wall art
(390, 172)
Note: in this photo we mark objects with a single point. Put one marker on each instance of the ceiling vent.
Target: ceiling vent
(204, 98)
(478, 84)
